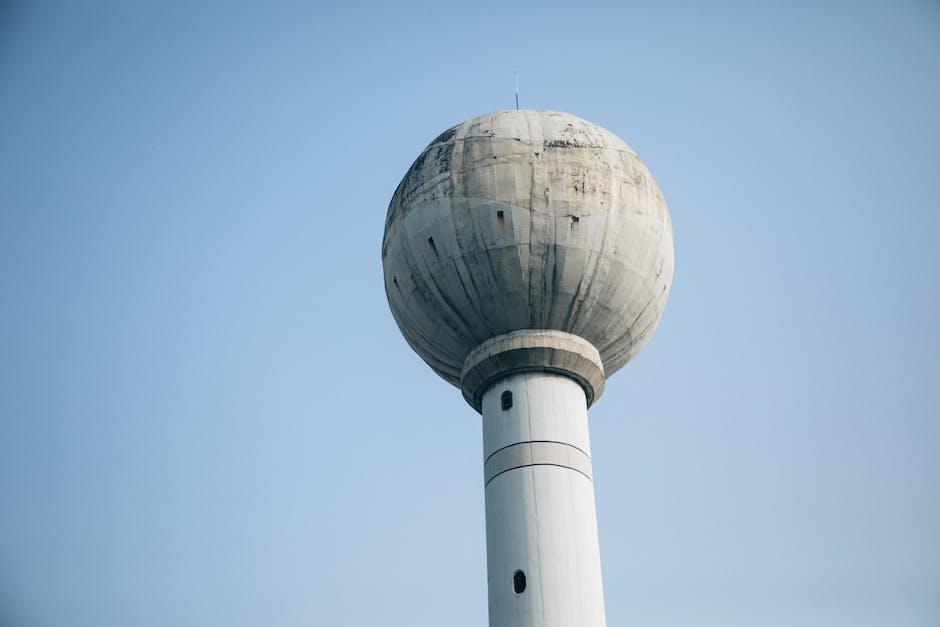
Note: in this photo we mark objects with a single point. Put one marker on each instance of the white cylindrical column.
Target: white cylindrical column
(543, 561)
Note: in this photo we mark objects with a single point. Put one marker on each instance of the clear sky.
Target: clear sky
(209, 418)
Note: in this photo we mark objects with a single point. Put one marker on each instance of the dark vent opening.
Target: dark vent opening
(518, 582)
(506, 400)
(500, 217)
(433, 247)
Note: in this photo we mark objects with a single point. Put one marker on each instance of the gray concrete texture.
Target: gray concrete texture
(526, 220)
(543, 350)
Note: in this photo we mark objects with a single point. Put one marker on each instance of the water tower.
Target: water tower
(528, 256)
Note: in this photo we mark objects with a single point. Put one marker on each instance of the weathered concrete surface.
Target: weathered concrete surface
(532, 350)
(526, 220)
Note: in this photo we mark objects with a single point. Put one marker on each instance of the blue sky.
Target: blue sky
(208, 416)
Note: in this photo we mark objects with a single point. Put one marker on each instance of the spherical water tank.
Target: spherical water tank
(521, 220)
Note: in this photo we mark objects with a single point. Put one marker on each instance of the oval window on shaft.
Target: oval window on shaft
(518, 582)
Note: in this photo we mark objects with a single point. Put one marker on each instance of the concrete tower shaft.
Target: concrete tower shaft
(541, 524)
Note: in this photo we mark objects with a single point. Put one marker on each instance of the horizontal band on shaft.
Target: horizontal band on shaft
(536, 453)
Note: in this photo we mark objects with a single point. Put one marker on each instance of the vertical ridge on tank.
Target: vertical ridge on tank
(528, 255)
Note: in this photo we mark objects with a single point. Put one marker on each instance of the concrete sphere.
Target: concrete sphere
(526, 220)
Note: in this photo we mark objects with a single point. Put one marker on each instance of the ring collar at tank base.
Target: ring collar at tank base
(532, 350)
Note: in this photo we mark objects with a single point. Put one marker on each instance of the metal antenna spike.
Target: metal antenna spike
(517, 92)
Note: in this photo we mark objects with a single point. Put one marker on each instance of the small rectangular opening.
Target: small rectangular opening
(500, 218)
(506, 400)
